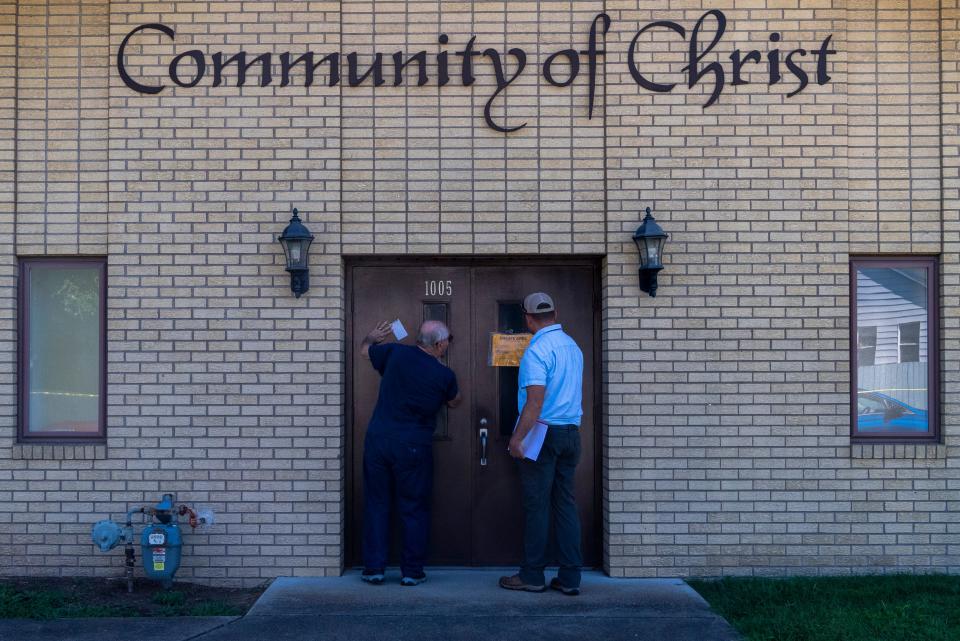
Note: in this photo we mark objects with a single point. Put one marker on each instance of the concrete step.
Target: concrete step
(474, 593)
(468, 605)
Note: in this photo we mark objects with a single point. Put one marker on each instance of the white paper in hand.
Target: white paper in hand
(398, 330)
(533, 442)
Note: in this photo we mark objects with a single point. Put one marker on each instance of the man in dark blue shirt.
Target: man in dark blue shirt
(398, 449)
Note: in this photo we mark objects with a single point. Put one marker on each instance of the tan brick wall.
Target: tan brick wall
(8, 119)
(946, 479)
(62, 73)
(711, 436)
(223, 387)
(423, 173)
(55, 64)
(894, 126)
(726, 447)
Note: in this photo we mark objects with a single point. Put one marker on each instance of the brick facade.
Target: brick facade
(726, 445)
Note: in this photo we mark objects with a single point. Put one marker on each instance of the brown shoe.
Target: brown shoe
(555, 584)
(516, 583)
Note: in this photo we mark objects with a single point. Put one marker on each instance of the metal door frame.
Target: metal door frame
(594, 261)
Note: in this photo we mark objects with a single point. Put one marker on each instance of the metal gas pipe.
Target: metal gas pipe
(160, 541)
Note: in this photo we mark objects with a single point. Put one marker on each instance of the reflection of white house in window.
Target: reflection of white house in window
(910, 342)
(866, 346)
(892, 333)
(888, 300)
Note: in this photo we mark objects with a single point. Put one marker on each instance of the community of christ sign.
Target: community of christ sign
(560, 69)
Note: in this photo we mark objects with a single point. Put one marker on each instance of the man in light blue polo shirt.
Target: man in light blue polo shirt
(551, 391)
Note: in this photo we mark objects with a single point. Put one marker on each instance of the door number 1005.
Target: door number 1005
(438, 288)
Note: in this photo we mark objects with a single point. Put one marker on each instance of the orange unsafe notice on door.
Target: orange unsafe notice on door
(506, 350)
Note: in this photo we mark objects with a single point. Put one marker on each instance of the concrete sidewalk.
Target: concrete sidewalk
(451, 605)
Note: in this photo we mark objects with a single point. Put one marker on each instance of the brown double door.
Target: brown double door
(477, 512)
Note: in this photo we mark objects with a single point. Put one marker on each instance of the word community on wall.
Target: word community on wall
(189, 68)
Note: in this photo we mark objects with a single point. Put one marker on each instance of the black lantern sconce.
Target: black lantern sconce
(296, 240)
(650, 239)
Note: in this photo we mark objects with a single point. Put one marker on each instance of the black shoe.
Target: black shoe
(374, 577)
(413, 579)
(555, 584)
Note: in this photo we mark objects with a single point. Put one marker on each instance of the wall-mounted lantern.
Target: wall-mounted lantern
(650, 239)
(296, 240)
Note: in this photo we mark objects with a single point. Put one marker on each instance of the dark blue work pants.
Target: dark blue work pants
(395, 469)
(548, 496)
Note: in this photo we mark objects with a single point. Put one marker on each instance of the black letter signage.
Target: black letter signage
(560, 68)
(121, 64)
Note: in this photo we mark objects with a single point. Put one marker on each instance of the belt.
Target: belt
(566, 427)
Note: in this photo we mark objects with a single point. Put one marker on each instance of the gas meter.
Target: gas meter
(160, 542)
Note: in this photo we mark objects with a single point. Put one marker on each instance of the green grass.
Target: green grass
(170, 599)
(52, 603)
(871, 608)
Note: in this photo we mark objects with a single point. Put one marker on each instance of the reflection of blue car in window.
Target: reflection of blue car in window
(878, 412)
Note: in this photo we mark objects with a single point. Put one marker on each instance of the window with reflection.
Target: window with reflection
(894, 352)
(62, 349)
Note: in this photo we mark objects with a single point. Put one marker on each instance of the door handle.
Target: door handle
(483, 445)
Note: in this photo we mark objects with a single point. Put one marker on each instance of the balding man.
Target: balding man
(397, 451)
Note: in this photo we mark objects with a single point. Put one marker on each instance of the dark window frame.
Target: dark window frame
(23, 357)
(931, 265)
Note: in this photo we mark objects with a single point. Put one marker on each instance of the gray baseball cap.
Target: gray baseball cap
(538, 303)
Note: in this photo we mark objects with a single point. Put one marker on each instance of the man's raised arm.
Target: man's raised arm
(376, 335)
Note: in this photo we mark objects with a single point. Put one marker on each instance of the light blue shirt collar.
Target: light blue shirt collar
(545, 330)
